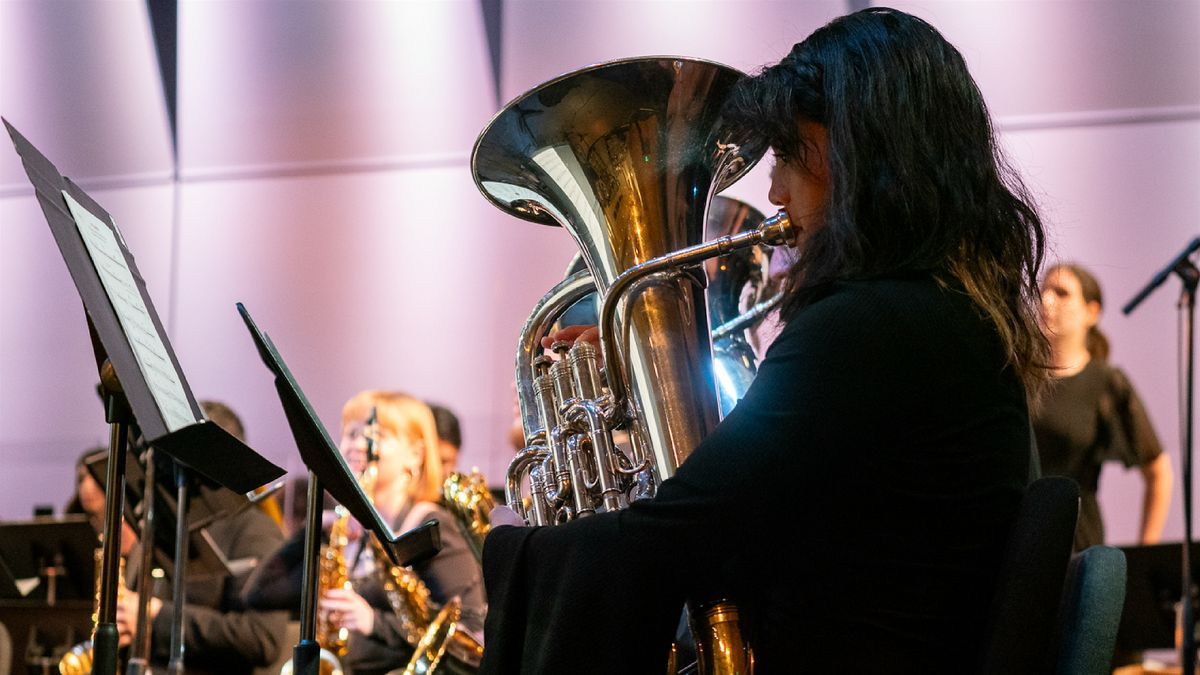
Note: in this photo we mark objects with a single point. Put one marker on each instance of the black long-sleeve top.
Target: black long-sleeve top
(856, 504)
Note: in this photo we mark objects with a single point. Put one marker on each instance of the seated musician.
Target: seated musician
(407, 490)
(221, 634)
(89, 500)
(857, 501)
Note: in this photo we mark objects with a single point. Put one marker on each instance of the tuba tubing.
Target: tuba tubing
(556, 301)
(775, 230)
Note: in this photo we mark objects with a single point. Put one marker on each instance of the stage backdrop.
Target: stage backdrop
(312, 161)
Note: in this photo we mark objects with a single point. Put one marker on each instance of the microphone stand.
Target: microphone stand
(306, 656)
(139, 662)
(1190, 276)
(178, 590)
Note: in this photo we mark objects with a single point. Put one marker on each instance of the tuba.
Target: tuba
(626, 157)
(740, 295)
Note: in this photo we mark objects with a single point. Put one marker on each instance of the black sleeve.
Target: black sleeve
(225, 633)
(275, 583)
(883, 416)
(832, 380)
(1132, 437)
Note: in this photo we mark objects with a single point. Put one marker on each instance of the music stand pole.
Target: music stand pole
(178, 591)
(139, 662)
(119, 416)
(1187, 306)
(306, 657)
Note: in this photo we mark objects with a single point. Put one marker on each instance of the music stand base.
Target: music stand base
(104, 649)
(306, 658)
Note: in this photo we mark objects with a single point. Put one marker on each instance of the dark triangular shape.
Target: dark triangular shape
(493, 12)
(164, 19)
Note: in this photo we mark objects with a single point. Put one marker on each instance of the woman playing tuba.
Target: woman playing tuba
(856, 503)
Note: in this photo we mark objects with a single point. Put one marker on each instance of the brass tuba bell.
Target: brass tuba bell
(626, 157)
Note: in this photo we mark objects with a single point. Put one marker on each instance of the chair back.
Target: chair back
(1091, 611)
(1024, 610)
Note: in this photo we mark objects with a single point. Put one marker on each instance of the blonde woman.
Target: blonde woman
(407, 491)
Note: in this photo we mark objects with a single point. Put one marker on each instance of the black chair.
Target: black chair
(1091, 611)
(1024, 611)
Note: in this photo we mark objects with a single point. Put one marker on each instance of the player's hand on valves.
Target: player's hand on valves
(502, 515)
(574, 334)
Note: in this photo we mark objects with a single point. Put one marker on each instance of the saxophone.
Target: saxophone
(78, 659)
(331, 573)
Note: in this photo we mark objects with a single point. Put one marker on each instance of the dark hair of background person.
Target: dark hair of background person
(917, 182)
(225, 418)
(75, 506)
(1097, 341)
(447, 425)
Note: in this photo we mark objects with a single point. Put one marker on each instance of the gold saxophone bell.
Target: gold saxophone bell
(626, 157)
(329, 664)
(78, 659)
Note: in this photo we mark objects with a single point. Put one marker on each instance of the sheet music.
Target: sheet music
(122, 290)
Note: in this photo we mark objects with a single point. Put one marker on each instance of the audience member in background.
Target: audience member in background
(221, 635)
(1090, 413)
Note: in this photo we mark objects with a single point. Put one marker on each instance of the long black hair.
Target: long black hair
(917, 182)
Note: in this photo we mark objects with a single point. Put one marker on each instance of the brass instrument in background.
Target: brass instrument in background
(470, 501)
(332, 573)
(625, 156)
(78, 659)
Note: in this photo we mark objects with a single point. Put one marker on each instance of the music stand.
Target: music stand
(59, 552)
(327, 470)
(204, 507)
(141, 381)
(1153, 589)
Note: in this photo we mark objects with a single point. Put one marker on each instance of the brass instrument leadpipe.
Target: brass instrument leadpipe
(564, 294)
(748, 318)
(523, 461)
(774, 231)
